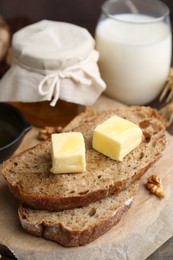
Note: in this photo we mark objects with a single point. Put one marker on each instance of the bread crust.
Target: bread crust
(61, 203)
(140, 115)
(71, 238)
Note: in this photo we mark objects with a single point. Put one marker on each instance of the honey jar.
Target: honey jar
(54, 73)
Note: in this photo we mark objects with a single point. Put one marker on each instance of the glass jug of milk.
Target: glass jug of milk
(133, 38)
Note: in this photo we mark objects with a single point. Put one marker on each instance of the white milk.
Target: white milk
(134, 58)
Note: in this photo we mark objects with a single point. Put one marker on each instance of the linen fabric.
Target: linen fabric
(51, 61)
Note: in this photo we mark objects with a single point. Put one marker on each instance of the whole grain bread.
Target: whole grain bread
(78, 226)
(29, 178)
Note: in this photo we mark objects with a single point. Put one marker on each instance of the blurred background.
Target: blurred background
(81, 12)
(19, 13)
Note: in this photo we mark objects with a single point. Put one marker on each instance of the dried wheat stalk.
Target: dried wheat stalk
(167, 95)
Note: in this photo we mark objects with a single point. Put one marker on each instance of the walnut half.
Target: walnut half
(155, 186)
(47, 131)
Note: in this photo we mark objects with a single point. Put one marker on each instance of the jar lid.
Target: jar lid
(53, 60)
(51, 45)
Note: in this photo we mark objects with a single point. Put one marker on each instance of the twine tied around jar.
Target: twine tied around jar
(53, 60)
(54, 88)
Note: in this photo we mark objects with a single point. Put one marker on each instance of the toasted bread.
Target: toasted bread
(29, 178)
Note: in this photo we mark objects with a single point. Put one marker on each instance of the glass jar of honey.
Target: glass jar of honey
(54, 72)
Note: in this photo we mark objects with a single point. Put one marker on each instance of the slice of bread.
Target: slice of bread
(78, 226)
(29, 178)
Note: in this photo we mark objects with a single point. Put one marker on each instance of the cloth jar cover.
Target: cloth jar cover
(53, 60)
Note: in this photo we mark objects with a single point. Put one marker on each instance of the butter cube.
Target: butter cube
(116, 137)
(68, 153)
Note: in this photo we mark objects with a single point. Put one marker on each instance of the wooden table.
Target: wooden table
(165, 252)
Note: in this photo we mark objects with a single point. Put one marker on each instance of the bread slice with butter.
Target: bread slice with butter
(78, 226)
(29, 178)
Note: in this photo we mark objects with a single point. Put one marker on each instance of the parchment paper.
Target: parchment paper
(145, 227)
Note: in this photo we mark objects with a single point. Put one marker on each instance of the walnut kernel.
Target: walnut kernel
(47, 131)
(155, 186)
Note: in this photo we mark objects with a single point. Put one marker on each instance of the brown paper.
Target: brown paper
(145, 227)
